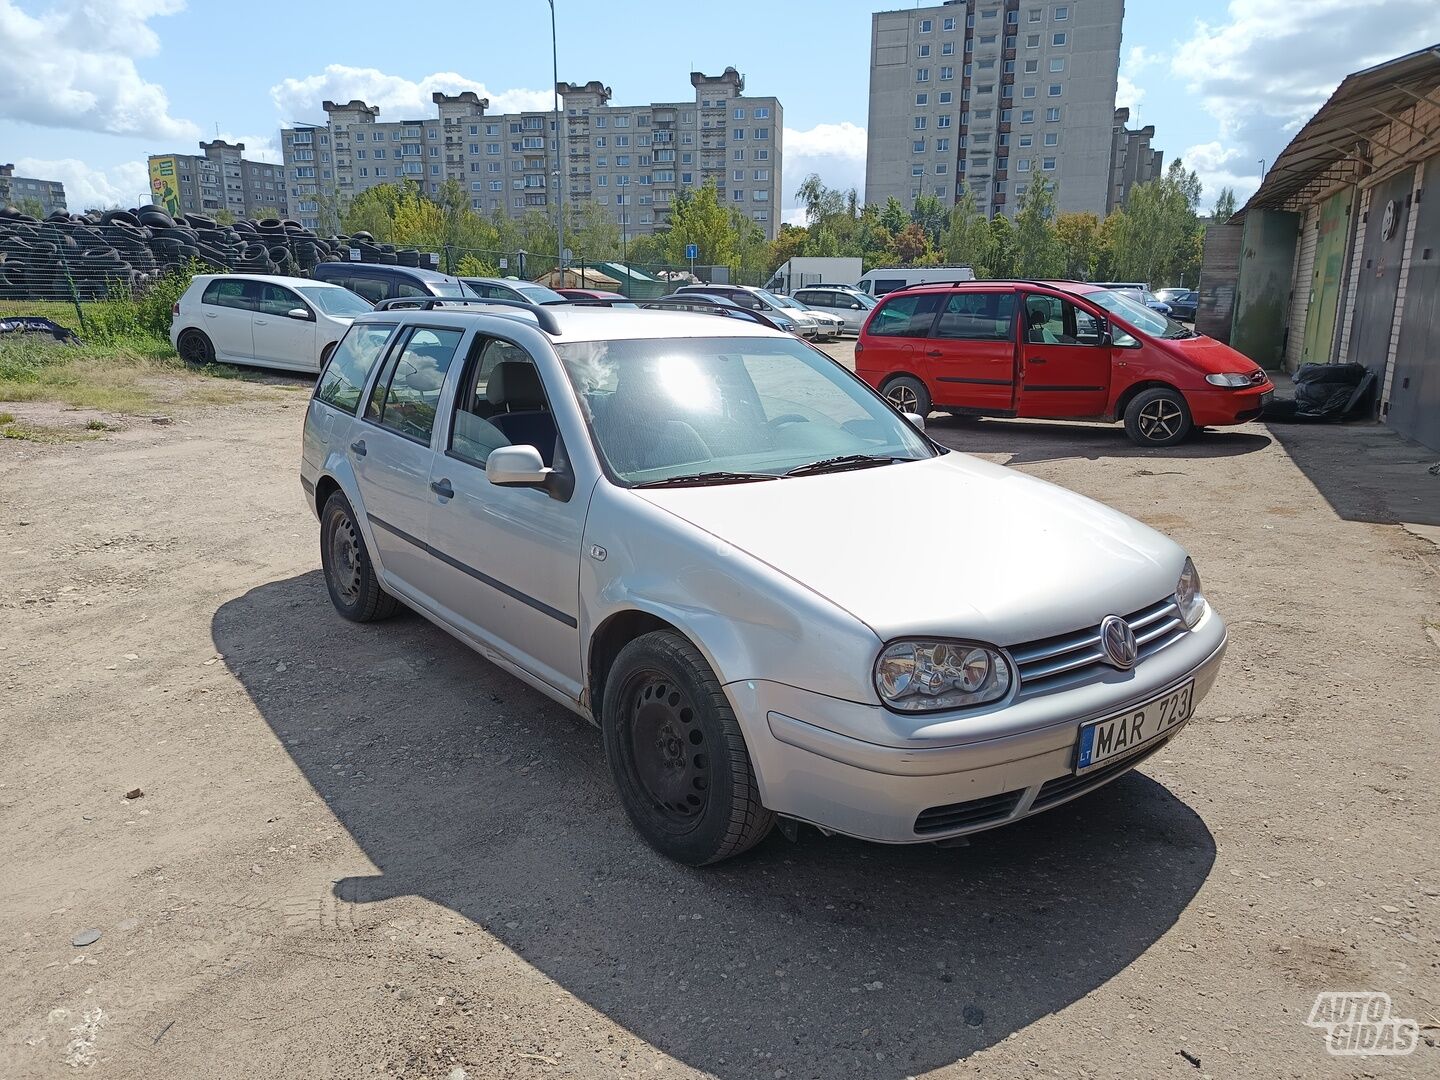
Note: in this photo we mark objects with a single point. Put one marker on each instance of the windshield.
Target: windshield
(1146, 320)
(769, 297)
(539, 294)
(789, 302)
(660, 408)
(450, 288)
(335, 301)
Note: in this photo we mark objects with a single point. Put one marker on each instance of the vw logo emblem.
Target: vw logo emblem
(1118, 641)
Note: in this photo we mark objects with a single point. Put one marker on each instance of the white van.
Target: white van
(880, 281)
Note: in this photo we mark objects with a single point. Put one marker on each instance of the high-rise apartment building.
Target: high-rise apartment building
(632, 159)
(220, 178)
(50, 194)
(1132, 159)
(988, 96)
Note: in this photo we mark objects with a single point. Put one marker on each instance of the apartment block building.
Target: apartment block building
(990, 95)
(218, 178)
(1133, 160)
(634, 159)
(16, 189)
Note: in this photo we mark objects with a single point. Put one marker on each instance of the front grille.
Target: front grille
(1065, 787)
(975, 812)
(1056, 663)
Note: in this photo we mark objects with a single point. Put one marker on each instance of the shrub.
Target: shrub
(129, 313)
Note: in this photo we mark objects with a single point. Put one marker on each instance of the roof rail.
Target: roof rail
(547, 321)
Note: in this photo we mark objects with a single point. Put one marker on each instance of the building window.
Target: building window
(1052, 138)
(1052, 115)
(1027, 116)
(947, 49)
(739, 114)
(926, 25)
(1048, 164)
(946, 74)
(917, 170)
(920, 122)
(918, 146)
(922, 99)
(762, 113)
(941, 168)
(1027, 140)
(1058, 40)
(948, 24)
(1032, 66)
(1036, 14)
(942, 122)
(946, 97)
(922, 51)
(1054, 90)
(942, 146)
(1027, 91)
(760, 196)
(1023, 165)
(922, 74)
(1062, 12)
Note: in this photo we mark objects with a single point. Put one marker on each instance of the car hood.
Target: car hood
(951, 546)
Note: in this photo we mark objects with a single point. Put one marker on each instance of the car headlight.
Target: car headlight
(925, 676)
(1188, 597)
(1228, 378)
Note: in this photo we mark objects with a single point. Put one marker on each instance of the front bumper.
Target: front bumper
(1219, 407)
(806, 769)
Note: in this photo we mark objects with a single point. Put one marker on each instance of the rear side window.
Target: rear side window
(226, 292)
(977, 316)
(906, 316)
(344, 378)
(407, 393)
(888, 285)
(404, 288)
(369, 288)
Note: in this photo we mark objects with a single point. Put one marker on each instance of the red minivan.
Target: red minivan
(1054, 350)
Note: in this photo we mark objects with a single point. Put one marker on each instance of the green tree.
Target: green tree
(472, 265)
(1079, 237)
(592, 234)
(930, 214)
(967, 237)
(1037, 248)
(911, 246)
(1224, 206)
(31, 206)
(893, 217)
(1155, 239)
(698, 218)
(1002, 247)
(225, 217)
(788, 245)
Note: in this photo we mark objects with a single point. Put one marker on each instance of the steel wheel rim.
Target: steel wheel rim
(904, 399)
(668, 751)
(344, 568)
(1160, 420)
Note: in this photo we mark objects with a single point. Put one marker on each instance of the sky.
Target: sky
(90, 88)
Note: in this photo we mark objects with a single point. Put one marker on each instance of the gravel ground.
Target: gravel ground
(363, 851)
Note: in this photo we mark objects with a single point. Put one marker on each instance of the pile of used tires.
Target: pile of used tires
(86, 256)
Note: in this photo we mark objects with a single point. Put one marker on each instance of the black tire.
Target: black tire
(908, 394)
(350, 576)
(1157, 417)
(677, 754)
(195, 348)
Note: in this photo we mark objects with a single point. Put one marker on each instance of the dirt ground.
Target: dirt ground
(362, 851)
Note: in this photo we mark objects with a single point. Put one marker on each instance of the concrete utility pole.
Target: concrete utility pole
(559, 174)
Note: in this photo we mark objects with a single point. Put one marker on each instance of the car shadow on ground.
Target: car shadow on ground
(1031, 441)
(826, 957)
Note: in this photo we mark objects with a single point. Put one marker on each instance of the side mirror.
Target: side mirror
(516, 466)
(916, 419)
(298, 313)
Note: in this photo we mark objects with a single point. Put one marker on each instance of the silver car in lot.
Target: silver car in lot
(775, 596)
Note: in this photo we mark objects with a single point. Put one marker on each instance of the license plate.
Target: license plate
(1265, 398)
(1115, 737)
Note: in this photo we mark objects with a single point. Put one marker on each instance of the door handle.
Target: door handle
(442, 488)
(934, 352)
(358, 448)
(261, 322)
(212, 315)
(1035, 360)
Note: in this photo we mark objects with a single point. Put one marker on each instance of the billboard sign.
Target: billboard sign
(165, 184)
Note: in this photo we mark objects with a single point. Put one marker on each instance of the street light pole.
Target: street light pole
(559, 173)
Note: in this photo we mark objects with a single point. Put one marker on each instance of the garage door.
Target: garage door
(1379, 278)
(1415, 387)
(1326, 271)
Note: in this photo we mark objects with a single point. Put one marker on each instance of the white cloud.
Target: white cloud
(398, 97)
(257, 147)
(835, 151)
(1139, 58)
(1129, 96)
(1265, 70)
(1219, 166)
(87, 188)
(73, 66)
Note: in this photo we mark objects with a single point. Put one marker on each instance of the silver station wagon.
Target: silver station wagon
(776, 597)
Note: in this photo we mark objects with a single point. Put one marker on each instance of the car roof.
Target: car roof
(386, 269)
(578, 323)
(274, 279)
(1079, 288)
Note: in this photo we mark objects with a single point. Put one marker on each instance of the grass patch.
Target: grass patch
(7, 417)
(41, 433)
(130, 376)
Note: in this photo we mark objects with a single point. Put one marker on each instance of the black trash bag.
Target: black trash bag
(33, 324)
(1324, 392)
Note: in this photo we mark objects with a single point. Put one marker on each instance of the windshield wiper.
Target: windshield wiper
(844, 461)
(706, 478)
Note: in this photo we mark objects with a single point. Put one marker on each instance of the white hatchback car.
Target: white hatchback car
(279, 322)
(691, 531)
